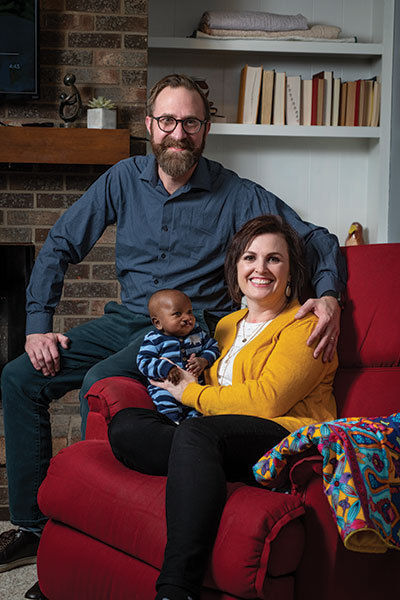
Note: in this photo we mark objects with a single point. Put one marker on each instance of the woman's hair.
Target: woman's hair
(244, 237)
(176, 81)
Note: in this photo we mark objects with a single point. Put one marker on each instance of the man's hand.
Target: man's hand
(327, 330)
(196, 365)
(174, 376)
(42, 349)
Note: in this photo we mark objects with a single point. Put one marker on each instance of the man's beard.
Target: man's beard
(176, 164)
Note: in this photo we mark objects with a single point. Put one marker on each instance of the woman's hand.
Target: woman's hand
(176, 390)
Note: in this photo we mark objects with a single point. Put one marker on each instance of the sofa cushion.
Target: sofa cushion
(367, 392)
(91, 570)
(88, 489)
(373, 286)
(74, 566)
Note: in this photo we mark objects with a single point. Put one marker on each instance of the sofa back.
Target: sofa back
(367, 383)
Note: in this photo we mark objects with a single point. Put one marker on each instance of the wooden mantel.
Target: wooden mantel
(55, 145)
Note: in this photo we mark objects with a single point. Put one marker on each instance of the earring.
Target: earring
(288, 290)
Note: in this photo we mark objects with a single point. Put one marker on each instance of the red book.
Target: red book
(314, 101)
(317, 101)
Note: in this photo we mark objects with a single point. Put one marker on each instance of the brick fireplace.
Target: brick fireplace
(104, 43)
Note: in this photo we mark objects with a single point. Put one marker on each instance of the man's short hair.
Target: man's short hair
(176, 80)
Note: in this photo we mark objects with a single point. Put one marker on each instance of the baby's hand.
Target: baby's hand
(174, 376)
(196, 365)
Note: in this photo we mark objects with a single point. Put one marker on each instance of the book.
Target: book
(326, 100)
(376, 104)
(328, 77)
(343, 102)
(362, 103)
(293, 93)
(306, 99)
(351, 103)
(314, 101)
(317, 104)
(249, 94)
(336, 87)
(267, 91)
(369, 98)
(357, 103)
(279, 99)
(369, 94)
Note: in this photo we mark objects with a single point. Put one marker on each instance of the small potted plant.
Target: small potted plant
(101, 114)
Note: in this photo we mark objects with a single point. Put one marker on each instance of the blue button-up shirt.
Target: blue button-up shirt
(167, 240)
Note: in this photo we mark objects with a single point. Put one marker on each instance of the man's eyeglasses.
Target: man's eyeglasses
(190, 125)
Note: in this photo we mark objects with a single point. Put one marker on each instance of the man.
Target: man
(176, 213)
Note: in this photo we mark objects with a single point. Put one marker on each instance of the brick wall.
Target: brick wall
(104, 43)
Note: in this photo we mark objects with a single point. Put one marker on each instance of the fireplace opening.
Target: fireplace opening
(16, 263)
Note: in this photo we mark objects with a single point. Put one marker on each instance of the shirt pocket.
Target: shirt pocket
(206, 233)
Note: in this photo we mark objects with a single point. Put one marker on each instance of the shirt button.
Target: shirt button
(156, 281)
(164, 228)
(163, 255)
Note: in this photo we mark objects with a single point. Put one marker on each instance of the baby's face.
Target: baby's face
(175, 316)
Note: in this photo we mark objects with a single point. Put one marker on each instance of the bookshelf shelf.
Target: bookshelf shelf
(329, 175)
(294, 131)
(266, 46)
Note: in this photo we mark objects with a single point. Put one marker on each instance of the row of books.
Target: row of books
(272, 98)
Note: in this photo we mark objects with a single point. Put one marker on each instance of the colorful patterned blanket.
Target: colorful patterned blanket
(361, 476)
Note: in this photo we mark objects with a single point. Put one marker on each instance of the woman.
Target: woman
(265, 384)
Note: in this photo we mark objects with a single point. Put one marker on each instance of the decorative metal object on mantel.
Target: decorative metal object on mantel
(101, 114)
(70, 107)
(203, 85)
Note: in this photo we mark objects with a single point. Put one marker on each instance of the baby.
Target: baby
(175, 337)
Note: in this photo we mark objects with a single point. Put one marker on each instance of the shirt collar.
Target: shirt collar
(200, 179)
(150, 172)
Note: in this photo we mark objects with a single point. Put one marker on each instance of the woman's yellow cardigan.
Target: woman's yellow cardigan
(275, 376)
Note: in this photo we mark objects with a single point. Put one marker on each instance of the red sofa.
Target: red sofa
(106, 531)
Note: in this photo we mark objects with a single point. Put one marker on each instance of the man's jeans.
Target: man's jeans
(101, 348)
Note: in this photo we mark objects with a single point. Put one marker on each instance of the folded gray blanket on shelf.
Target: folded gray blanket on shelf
(329, 32)
(251, 20)
(284, 37)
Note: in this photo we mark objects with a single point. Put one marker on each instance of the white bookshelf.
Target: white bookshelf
(270, 47)
(294, 131)
(330, 175)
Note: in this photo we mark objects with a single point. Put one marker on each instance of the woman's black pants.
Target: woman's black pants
(199, 456)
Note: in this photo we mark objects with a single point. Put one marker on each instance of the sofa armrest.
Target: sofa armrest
(257, 550)
(108, 396)
(304, 470)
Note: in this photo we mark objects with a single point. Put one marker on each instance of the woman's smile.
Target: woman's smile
(258, 281)
(263, 270)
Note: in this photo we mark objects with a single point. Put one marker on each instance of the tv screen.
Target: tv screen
(19, 45)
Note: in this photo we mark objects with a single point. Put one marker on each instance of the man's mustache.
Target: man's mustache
(180, 144)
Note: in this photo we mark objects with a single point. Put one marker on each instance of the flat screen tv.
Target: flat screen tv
(19, 49)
